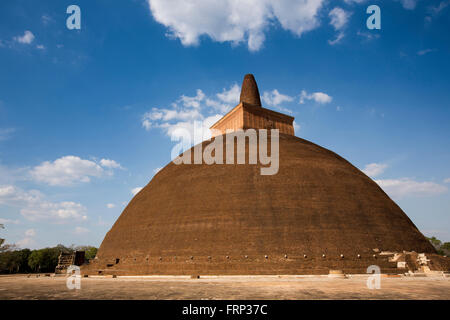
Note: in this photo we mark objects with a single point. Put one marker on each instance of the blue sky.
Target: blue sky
(86, 116)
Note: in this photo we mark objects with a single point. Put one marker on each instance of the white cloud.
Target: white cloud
(197, 130)
(339, 18)
(230, 96)
(188, 114)
(190, 117)
(434, 11)
(33, 205)
(374, 169)
(447, 180)
(318, 97)
(111, 164)
(275, 98)
(354, 1)
(159, 117)
(69, 170)
(136, 190)
(437, 9)
(297, 16)
(399, 188)
(217, 105)
(409, 4)
(110, 205)
(368, 36)
(195, 101)
(40, 47)
(30, 233)
(27, 38)
(338, 39)
(50, 210)
(234, 21)
(424, 52)
(80, 230)
(225, 100)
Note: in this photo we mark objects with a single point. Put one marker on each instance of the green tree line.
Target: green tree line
(15, 260)
(442, 248)
(2, 240)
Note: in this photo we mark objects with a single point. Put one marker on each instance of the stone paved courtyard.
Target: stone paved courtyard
(260, 287)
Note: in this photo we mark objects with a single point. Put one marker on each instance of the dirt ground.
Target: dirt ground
(260, 287)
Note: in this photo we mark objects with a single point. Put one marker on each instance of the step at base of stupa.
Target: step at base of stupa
(387, 262)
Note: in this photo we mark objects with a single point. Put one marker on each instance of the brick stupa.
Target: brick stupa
(318, 213)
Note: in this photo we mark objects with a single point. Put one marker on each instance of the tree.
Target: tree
(23, 260)
(13, 260)
(435, 242)
(2, 240)
(62, 248)
(441, 248)
(7, 262)
(35, 259)
(44, 260)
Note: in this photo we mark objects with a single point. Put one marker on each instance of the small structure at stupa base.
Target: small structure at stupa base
(318, 213)
(67, 259)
